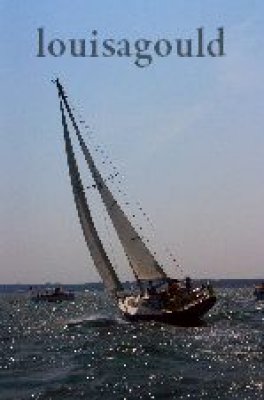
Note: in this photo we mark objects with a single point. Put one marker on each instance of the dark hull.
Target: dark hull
(190, 317)
(52, 298)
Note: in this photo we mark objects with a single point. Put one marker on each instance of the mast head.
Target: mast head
(54, 80)
(59, 86)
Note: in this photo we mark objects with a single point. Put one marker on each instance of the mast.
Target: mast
(142, 262)
(98, 254)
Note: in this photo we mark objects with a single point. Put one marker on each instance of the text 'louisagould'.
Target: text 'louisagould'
(142, 51)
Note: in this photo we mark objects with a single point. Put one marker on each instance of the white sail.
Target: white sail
(94, 244)
(143, 263)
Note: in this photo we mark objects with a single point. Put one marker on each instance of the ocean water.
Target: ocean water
(84, 350)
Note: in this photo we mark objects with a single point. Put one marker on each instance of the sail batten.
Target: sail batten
(98, 254)
(143, 263)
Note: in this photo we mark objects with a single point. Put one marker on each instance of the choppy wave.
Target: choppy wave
(96, 320)
(84, 350)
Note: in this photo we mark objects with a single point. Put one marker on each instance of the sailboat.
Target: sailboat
(159, 297)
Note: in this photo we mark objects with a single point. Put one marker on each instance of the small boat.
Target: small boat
(158, 297)
(259, 291)
(52, 296)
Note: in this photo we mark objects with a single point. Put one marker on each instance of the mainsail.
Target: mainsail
(94, 244)
(143, 263)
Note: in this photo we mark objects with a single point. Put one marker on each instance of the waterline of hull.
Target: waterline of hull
(190, 316)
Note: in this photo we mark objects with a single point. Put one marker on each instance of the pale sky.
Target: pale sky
(186, 133)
